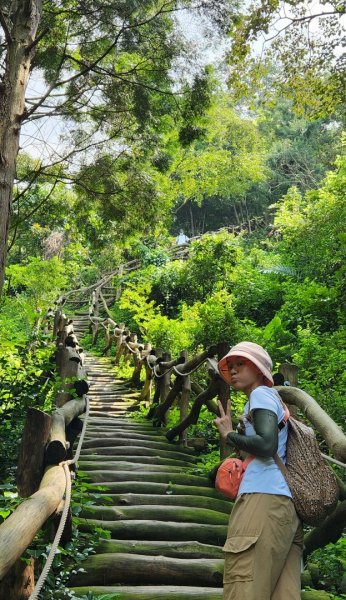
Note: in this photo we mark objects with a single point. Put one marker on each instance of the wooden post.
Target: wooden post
(165, 381)
(184, 400)
(31, 453)
(95, 313)
(19, 581)
(193, 415)
(290, 373)
(149, 363)
(223, 394)
(69, 367)
(61, 417)
(118, 291)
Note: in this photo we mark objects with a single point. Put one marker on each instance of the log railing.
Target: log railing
(160, 367)
(44, 456)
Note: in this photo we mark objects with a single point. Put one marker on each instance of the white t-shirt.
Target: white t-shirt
(262, 474)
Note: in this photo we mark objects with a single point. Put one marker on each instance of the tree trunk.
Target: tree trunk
(20, 36)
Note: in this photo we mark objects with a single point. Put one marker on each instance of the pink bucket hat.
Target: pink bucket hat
(253, 352)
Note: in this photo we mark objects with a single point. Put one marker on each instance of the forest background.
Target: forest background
(156, 134)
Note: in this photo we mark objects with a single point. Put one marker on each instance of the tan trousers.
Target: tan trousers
(263, 549)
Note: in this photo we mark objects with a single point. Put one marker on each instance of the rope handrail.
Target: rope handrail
(188, 373)
(65, 464)
(130, 349)
(155, 369)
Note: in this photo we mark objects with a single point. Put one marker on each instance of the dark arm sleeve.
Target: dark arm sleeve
(265, 442)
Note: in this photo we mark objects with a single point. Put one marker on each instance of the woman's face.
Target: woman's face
(244, 375)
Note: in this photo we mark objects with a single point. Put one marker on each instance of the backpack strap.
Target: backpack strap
(280, 464)
(286, 415)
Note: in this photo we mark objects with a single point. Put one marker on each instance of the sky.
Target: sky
(47, 138)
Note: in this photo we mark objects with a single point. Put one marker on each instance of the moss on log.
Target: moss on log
(135, 459)
(160, 548)
(179, 478)
(123, 465)
(122, 568)
(152, 592)
(130, 450)
(179, 514)
(150, 487)
(113, 442)
(315, 595)
(159, 530)
(120, 434)
(129, 499)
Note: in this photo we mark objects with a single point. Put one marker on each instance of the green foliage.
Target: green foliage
(309, 304)
(256, 284)
(25, 382)
(299, 58)
(326, 384)
(171, 335)
(135, 300)
(216, 321)
(211, 261)
(331, 563)
(42, 280)
(318, 217)
(224, 163)
(70, 557)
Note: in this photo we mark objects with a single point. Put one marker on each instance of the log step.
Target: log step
(180, 478)
(151, 592)
(178, 514)
(167, 524)
(141, 569)
(157, 548)
(149, 487)
(116, 465)
(131, 458)
(150, 445)
(159, 530)
(129, 499)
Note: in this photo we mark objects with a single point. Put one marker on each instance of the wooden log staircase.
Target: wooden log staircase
(167, 525)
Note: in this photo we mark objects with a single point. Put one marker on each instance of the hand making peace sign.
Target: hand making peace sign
(224, 422)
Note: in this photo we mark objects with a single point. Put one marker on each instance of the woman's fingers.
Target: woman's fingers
(222, 412)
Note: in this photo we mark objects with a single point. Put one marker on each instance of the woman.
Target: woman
(264, 543)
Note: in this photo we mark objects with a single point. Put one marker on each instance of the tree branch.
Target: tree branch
(37, 40)
(4, 24)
